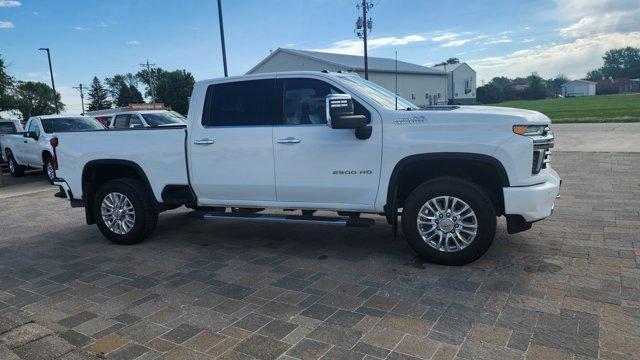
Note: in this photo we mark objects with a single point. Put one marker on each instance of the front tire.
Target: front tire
(124, 211)
(48, 169)
(449, 221)
(14, 169)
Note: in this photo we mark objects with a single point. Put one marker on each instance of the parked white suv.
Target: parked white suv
(34, 148)
(146, 119)
(321, 141)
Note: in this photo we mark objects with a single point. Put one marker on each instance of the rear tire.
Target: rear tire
(48, 169)
(466, 235)
(14, 169)
(124, 211)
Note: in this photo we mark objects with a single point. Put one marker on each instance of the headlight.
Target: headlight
(529, 130)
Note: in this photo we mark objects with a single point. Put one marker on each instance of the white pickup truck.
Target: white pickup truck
(8, 126)
(34, 148)
(146, 118)
(320, 141)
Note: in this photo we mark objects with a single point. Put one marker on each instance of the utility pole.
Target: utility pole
(363, 23)
(81, 89)
(150, 79)
(224, 50)
(53, 84)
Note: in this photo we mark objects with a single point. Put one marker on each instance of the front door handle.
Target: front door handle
(288, 140)
(203, 142)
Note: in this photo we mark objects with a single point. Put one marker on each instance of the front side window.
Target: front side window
(243, 103)
(134, 121)
(33, 127)
(121, 122)
(70, 124)
(304, 101)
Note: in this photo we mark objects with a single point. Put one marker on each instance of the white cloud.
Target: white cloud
(498, 41)
(9, 3)
(33, 74)
(36, 13)
(6, 25)
(103, 24)
(445, 37)
(574, 58)
(133, 42)
(355, 47)
(79, 28)
(455, 43)
(528, 40)
(593, 17)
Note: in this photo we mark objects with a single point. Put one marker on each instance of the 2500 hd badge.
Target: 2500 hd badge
(352, 172)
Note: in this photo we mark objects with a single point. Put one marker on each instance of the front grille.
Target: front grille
(542, 146)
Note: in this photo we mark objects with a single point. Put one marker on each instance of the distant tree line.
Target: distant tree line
(618, 63)
(172, 88)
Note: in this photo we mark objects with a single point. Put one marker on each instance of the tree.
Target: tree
(172, 88)
(594, 75)
(489, 94)
(537, 88)
(555, 85)
(118, 82)
(98, 96)
(449, 62)
(128, 94)
(7, 90)
(623, 62)
(36, 98)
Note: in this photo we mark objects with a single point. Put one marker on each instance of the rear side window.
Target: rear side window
(243, 103)
(7, 128)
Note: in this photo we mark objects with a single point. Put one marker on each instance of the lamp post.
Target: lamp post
(224, 50)
(53, 84)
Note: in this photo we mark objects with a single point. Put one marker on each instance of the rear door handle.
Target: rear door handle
(203, 142)
(288, 140)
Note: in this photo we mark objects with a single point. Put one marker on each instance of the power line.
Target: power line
(81, 88)
(150, 79)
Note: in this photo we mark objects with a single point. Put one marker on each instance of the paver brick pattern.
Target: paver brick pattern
(568, 288)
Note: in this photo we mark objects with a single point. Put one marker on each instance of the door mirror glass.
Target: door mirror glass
(31, 134)
(339, 108)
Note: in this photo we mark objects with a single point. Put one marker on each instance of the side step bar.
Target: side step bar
(294, 219)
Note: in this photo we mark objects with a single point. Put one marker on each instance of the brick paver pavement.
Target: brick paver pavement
(568, 288)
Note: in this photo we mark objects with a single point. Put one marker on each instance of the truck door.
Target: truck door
(30, 151)
(231, 152)
(315, 163)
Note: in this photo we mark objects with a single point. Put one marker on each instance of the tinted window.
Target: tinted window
(167, 118)
(134, 121)
(70, 124)
(33, 127)
(121, 122)
(303, 102)
(7, 128)
(244, 103)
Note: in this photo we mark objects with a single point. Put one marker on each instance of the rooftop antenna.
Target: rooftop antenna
(396, 80)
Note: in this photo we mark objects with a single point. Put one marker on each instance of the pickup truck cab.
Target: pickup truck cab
(8, 126)
(320, 141)
(33, 148)
(146, 119)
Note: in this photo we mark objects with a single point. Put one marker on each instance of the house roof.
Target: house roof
(353, 62)
(579, 82)
(449, 67)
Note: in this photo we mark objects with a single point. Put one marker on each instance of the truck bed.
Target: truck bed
(159, 151)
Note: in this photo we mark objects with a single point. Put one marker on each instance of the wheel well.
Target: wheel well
(483, 171)
(46, 154)
(98, 172)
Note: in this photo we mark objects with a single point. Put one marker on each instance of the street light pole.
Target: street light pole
(224, 51)
(53, 84)
(364, 28)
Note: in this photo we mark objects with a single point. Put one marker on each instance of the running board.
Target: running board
(293, 219)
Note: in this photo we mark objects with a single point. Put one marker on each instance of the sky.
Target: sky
(510, 38)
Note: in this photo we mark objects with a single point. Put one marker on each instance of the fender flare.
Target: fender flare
(411, 159)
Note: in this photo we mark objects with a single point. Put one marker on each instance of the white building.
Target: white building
(461, 83)
(419, 84)
(578, 88)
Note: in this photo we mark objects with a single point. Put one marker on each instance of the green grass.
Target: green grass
(587, 109)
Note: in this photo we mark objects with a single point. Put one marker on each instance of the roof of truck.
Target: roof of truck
(274, 74)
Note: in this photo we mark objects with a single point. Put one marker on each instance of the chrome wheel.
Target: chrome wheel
(12, 166)
(118, 213)
(447, 224)
(51, 172)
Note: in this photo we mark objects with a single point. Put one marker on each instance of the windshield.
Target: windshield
(59, 125)
(376, 92)
(164, 118)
